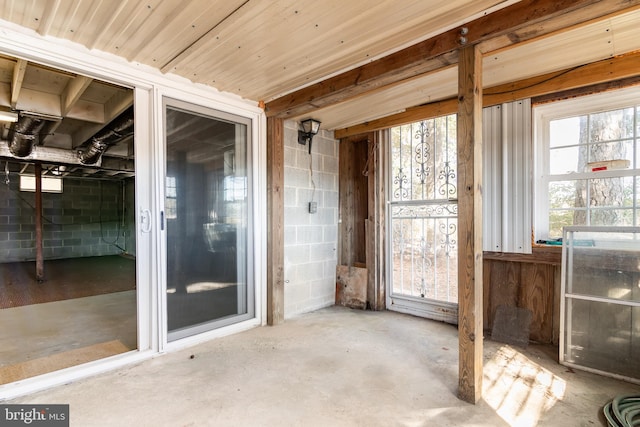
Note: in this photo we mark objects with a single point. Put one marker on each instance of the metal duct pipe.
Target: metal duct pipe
(24, 134)
(117, 130)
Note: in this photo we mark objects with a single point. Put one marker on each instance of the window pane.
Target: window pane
(207, 206)
(445, 140)
(567, 194)
(605, 192)
(565, 132)
(565, 217)
(596, 338)
(636, 194)
(611, 125)
(423, 157)
(424, 251)
(617, 217)
(618, 150)
(49, 184)
(564, 160)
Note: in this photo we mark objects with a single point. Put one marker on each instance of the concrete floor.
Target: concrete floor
(35, 331)
(40, 338)
(337, 367)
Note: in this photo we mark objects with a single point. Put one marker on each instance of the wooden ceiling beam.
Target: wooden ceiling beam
(16, 81)
(607, 70)
(72, 93)
(117, 104)
(604, 71)
(522, 21)
(392, 69)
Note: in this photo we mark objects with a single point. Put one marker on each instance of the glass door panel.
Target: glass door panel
(207, 201)
(423, 213)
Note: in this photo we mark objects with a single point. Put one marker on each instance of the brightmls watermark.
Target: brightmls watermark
(34, 415)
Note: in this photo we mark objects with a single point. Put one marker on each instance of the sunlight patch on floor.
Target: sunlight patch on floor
(518, 389)
(417, 419)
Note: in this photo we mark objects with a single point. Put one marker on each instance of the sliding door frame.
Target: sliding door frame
(149, 87)
(256, 256)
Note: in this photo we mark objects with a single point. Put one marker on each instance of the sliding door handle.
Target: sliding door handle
(145, 220)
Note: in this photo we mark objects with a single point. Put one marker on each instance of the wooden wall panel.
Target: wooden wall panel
(555, 323)
(353, 188)
(503, 285)
(536, 294)
(524, 283)
(486, 294)
(362, 211)
(351, 287)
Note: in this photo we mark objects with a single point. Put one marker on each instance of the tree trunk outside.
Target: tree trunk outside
(603, 192)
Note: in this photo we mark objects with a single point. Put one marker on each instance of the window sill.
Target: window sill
(541, 254)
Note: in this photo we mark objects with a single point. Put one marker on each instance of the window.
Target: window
(235, 188)
(588, 162)
(49, 184)
(172, 195)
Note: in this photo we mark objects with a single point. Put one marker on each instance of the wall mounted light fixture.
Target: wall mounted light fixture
(310, 127)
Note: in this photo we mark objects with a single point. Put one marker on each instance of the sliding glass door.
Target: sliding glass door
(207, 219)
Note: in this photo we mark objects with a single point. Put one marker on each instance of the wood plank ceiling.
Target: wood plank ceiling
(257, 49)
(262, 50)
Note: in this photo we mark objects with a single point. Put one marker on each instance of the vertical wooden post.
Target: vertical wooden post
(470, 224)
(275, 220)
(38, 203)
(376, 226)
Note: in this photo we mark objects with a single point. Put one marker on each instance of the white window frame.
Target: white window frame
(543, 115)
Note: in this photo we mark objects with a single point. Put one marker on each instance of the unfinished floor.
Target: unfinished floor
(337, 367)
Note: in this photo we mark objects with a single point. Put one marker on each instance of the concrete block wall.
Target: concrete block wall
(311, 240)
(83, 220)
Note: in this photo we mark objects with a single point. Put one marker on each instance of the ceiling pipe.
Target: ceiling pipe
(116, 131)
(24, 134)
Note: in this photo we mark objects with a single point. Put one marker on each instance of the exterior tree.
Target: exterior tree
(602, 138)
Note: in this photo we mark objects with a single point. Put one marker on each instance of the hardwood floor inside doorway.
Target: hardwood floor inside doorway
(65, 279)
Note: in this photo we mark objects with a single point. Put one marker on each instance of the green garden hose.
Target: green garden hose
(623, 411)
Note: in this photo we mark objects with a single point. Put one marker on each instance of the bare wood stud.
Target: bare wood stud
(275, 221)
(470, 224)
